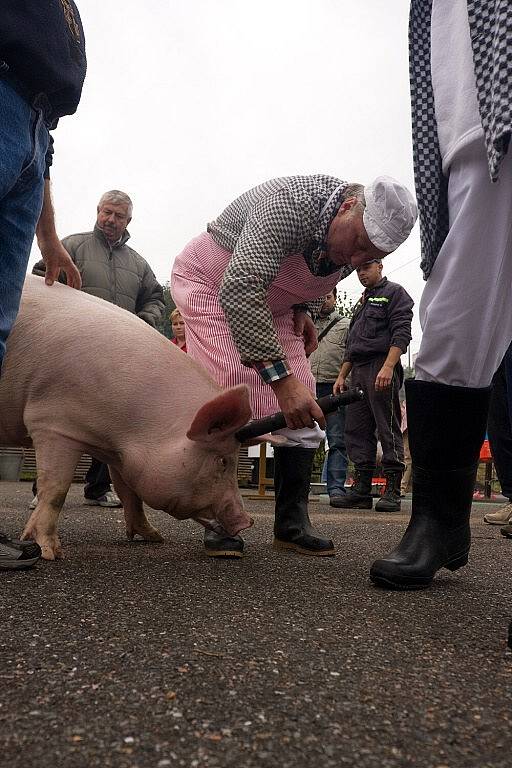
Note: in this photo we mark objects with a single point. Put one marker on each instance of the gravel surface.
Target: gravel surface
(135, 655)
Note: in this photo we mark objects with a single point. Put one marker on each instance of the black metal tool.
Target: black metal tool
(328, 404)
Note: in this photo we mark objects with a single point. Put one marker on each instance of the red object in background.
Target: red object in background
(174, 341)
(485, 451)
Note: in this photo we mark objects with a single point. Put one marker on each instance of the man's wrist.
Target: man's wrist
(272, 370)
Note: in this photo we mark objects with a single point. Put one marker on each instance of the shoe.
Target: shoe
(217, 545)
(292, 526)
(359, 495)
(502, 515)
(446, 430)
(33, 503)
(16, 555)
(109, 499)
(334, 501)
(507, 531)
(390, 499)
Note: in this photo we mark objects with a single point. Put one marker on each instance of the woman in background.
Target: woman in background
(178, 329)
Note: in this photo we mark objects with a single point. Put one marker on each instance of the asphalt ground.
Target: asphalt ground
(135, 655)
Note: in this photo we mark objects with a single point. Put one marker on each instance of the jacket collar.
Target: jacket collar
(369, 291)
(122, 240)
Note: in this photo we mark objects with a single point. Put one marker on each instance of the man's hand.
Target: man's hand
(56, 259)
(339, 385)
(384, 377)
(297, 403)
(305, 327)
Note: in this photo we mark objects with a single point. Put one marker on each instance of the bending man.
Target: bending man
(247, 289)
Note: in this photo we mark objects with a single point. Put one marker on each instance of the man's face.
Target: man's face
(112, 219)
(347, 241)
(328, 305)
(370, 274)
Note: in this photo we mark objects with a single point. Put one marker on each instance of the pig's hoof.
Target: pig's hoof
(148, 533)
(51, 548)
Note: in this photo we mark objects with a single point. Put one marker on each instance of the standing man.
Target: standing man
(247, 288)
(42, 69)
(462, 124)
(379, 333)
(115, 272)
(325, 364)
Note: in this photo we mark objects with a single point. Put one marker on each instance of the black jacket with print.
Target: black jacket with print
(382, 319)
(42, 53)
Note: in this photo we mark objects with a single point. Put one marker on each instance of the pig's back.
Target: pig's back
(70, 352)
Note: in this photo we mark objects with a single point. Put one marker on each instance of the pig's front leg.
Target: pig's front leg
(136, 520)
(55, 468)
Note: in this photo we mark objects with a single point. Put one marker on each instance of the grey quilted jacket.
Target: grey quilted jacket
(117, 274)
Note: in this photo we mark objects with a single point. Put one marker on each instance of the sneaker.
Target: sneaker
(16, 555)
(33, 503)
(502, 516)
(109, 499)
(334, 500)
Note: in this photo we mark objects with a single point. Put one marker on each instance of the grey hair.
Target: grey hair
(118, 198)
(357, 191)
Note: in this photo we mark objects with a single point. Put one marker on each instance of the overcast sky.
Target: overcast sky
(188, 103)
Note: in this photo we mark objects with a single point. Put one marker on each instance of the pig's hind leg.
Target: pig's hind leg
(56, 463)
(136, 520)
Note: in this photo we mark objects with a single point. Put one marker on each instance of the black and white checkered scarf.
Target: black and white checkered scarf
(490, 23)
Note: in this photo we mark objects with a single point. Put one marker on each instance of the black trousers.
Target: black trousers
(499, 424)
(377, 416)
(97, 480)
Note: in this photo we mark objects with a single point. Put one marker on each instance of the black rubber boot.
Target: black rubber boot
(446, 430)
(218, 545)
(359, 495)
(292, 527)
(390, 499)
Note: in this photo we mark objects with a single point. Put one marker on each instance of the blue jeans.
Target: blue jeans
(337, 459)
(23, 143)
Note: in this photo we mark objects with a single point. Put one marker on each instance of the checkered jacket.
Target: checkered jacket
(490, 23)
(260, 228)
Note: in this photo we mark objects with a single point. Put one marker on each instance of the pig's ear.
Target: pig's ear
(222, 416)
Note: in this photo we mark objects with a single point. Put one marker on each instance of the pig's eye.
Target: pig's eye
(224, 462)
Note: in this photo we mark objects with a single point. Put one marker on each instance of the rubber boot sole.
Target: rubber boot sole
(416, 582)
(289, 545)
(347, 504)
(229, 554)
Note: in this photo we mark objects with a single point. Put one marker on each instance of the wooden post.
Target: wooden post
(263, 469)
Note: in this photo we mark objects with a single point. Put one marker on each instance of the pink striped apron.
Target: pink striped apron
(195, 282)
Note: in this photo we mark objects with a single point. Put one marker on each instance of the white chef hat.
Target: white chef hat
(390, 213)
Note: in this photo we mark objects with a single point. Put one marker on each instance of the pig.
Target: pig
(84, 376)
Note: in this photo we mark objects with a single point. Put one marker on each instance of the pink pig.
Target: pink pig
(84, 376)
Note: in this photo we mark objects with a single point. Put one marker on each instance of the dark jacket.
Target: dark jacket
(382, 319)
(42, 53)
(115, 273)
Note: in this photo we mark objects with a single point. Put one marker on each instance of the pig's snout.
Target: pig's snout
(240, 526)
(231, 529)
